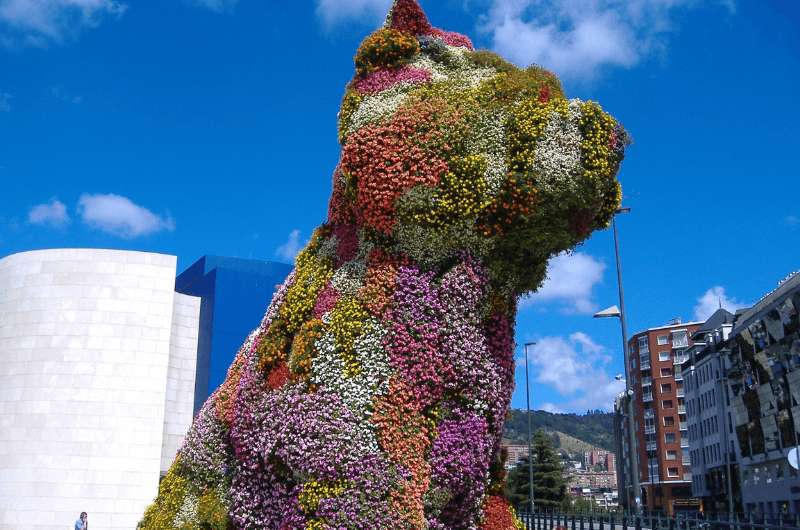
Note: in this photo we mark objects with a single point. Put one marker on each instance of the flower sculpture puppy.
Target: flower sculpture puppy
(373, 394)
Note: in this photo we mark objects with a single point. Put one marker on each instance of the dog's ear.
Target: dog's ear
(407, 16)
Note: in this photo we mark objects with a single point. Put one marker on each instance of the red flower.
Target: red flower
(278, 376)
(408, 17)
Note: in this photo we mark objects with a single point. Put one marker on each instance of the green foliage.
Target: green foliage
(350, 103)
(517, 85)
(487, 59)
(171, 494)
(595, 429)
(549, 484)
(212, 513)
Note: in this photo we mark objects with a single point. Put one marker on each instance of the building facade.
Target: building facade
(622, 449)
(603, 459)
(235, 295)
(763, 379)
(712, 444)
(97, 368)
(660, 417)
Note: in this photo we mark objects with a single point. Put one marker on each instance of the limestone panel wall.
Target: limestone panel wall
(85, 370)
(180, 375)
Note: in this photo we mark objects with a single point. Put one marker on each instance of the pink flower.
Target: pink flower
(384, 79)
(451, 38)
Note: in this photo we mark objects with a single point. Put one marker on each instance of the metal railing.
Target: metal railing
(647, 398)
(650, 430)
(617, 519)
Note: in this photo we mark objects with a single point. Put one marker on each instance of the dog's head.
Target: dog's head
(449, 151)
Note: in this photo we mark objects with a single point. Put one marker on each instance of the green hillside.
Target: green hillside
(594, 428)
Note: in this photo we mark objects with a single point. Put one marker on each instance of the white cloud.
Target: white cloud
(39, 22)
(5, 102)
(119, 216)
(571, 278)
(577, 38)
(216, 5)
(53, 213)
(334, 12)
(576, 368)
(711, 301)
(289, 250)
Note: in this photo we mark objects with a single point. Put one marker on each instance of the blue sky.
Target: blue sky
(209, 127)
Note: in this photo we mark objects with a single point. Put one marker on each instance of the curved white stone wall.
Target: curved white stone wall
(95, 383)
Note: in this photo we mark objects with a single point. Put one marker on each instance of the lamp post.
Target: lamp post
(619, 312)
(530, 430)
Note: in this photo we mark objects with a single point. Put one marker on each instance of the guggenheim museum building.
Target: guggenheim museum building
(102, 365)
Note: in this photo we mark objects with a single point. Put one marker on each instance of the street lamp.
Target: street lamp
(530, 432)
(619, 312)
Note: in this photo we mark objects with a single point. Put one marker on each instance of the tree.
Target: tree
(549, 486)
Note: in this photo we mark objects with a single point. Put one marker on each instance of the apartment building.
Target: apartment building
(763, 379)
(712, 443)
(657, 355)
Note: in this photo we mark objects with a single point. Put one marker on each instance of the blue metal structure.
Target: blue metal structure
(235, 295)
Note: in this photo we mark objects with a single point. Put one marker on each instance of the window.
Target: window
(672, 471)
(672, 455)
(662, 340)
(663, 356)
(669, 421)
(680, 339)
(643, 346)
(666, 372)
(666, 388)
(669, 438)
(667, 404)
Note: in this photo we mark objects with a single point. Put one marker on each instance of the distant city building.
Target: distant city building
(97, 369)
(235, 295)
(711, 439)
(764, 384)
(604, 459)
(593, 480)
(515, 453)
(660, 418)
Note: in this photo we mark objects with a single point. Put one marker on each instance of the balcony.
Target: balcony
(650, 429)
(684, 427)
(680, 339)
(680, 392)
(652, 446)
(645, 363)
(647, 381)
(647, 398)
(649, 414)
(687, 461)
(679, 376)
(680, 358)
(684, 442)
(681, 409)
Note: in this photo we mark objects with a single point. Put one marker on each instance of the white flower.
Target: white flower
(489, 139)
(375, 108)
(358, 391)
(348, 279)
(187, 514)
(557, 161)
